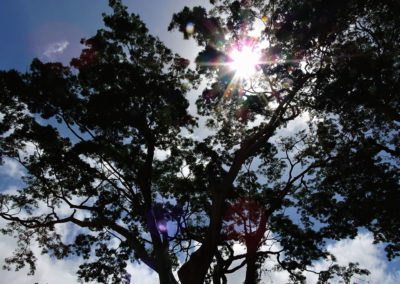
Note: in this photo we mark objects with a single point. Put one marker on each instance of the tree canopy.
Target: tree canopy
(89, 137)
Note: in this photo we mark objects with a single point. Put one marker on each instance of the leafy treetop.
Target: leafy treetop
(96, 128)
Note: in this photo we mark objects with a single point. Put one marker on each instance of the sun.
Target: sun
(244, 60)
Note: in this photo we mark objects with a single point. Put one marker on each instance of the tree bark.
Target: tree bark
(164, 270)
(251, 269)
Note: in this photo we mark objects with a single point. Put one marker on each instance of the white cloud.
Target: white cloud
(11, 190)
(55, 48)
(361, 250)
(140, 273)
(50, 270)
(162, 154)
(29, 148)
(11, 168)
(268, 276)
(369, 256)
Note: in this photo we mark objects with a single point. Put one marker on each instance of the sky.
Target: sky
(51, 30)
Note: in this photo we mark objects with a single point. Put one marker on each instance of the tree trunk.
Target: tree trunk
(164, 269)
(253, 243)
(166, 277)
(195, 270)
(251, 269)
(217, 275)
(161, 249)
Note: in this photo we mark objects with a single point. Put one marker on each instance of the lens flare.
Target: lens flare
(244, 60)
(162, 226)
(190, 28)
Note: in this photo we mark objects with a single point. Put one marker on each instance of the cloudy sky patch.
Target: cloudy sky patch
(54, 49)
(11, 168)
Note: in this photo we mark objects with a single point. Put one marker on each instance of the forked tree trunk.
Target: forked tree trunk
(164, 269)
(166, 277)
(195, 270)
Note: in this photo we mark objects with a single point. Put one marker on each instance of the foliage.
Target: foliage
(98, 126)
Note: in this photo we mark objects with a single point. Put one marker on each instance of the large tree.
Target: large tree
(97, 126)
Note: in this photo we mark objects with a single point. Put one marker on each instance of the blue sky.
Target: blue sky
(51, 30)
(29, 27)
(26, 25)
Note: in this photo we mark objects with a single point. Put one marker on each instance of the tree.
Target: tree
(106, 116)
(338, 62)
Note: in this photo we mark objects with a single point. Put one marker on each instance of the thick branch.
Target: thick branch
(98, 222)
(202, 258)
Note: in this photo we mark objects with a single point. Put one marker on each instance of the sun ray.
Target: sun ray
(244, 60)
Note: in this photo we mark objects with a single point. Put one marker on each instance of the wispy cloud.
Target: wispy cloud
(11, 169)
(55, 48)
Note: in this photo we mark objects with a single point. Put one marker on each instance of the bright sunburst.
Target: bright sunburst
(244, 60)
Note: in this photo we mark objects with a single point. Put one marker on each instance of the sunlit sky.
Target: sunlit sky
(51, 30)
